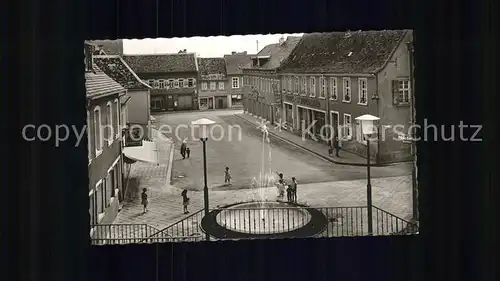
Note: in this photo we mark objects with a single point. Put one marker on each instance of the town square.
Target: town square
(235, 161)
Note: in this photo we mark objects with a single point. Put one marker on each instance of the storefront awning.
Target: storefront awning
(147, 152)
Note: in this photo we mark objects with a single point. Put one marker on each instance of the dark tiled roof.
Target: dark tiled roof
(234, 63)
(116, 68)
(278, 53)
(164, 63)
(208, 66)
(110, 47)
(99, 83)
(329, 52)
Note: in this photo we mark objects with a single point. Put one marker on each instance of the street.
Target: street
(244, 156)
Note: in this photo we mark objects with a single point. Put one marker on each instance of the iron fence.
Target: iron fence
(340, 222)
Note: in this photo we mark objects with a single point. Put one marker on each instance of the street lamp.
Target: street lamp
(368, 128)
(204, 124)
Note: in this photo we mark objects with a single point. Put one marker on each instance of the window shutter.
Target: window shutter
(395, 92)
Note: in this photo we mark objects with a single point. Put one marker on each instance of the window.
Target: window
(213, 86)
(156, 84)
(204, 86)
(347, 129)
(346, 82)
(283, 83)
(401, 91)
(182, 83)
(176, 83)
(151, 82)
(161, 84)
(260, 84)
(89, 147)
(109, 123)
(289, 88)
(124, 118)
(313, 86)
(190, 82)
(333, 88)
(296, 88)
(322, 82)
(235, 82)
(99, 190)
(157, 103)
(304, 86)
(221, 85)
(117, 121)
(98, 139)
(108, 189)
(360, 137)
(363, 91)
(170, 83)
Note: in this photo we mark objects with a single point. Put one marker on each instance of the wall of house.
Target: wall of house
(390, 113)
(216, 94)
(235, 91)
(138, 106)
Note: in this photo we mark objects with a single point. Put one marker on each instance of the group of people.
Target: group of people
(291, 189)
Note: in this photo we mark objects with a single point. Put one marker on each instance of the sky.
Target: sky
(214, 46)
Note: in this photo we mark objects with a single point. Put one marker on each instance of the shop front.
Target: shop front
(288, 115)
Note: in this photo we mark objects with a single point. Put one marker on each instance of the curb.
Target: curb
(195, 110)
(314, 152)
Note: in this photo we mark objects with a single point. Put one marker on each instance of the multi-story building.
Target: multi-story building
(332, 78)
(104, 142)
(213, 84)
(262, 85)
(137, 111)
(234, 64)
(172, 77)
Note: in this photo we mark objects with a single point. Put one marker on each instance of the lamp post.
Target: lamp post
(367, 127)
(204, 125)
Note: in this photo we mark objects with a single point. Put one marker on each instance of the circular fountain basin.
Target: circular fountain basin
(264, 220)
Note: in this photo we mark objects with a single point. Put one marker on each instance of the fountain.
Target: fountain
(262, 217)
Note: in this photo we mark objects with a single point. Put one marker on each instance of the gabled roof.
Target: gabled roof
(277, 52)
(339, 52)
(208, 66)
(162, 63)
(116, 68)
(235, 62)
(99, 84)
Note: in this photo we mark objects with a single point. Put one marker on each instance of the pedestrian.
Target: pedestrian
(144, 200)
(188, 152)
(280, 176)
(336, 145)
(330, 148)
(281, 189)
(227, 176)
(293, 186)
(185, 201)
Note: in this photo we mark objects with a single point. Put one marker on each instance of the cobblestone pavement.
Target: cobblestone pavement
(242, 151)
(392, 194)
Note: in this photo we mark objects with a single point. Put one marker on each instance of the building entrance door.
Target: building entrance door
(170, 102)
(220, 103)
(335, 123)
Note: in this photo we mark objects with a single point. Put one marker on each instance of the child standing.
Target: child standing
(188, 152)
(227, 176)
(185, 201)
(144, 200)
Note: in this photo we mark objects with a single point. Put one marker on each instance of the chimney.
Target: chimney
(233, 53)
(89, 60)
(282, 40)
(185, 51)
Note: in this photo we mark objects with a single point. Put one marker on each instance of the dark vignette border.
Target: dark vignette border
(317, 224)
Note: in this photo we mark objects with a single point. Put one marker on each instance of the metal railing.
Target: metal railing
(340, 222)
(102, 234)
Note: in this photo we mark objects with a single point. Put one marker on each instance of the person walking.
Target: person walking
(293, 187)
(336, 146)
(227, 176)
(289, 193)
(144, 200)
(188, 152)
(185, 201)
(281, 189)
(183, 148)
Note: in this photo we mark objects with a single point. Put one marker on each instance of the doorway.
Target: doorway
(334, 115)
(220, 103)
(170, 102)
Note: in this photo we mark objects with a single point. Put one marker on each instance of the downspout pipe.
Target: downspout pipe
(377, 100)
